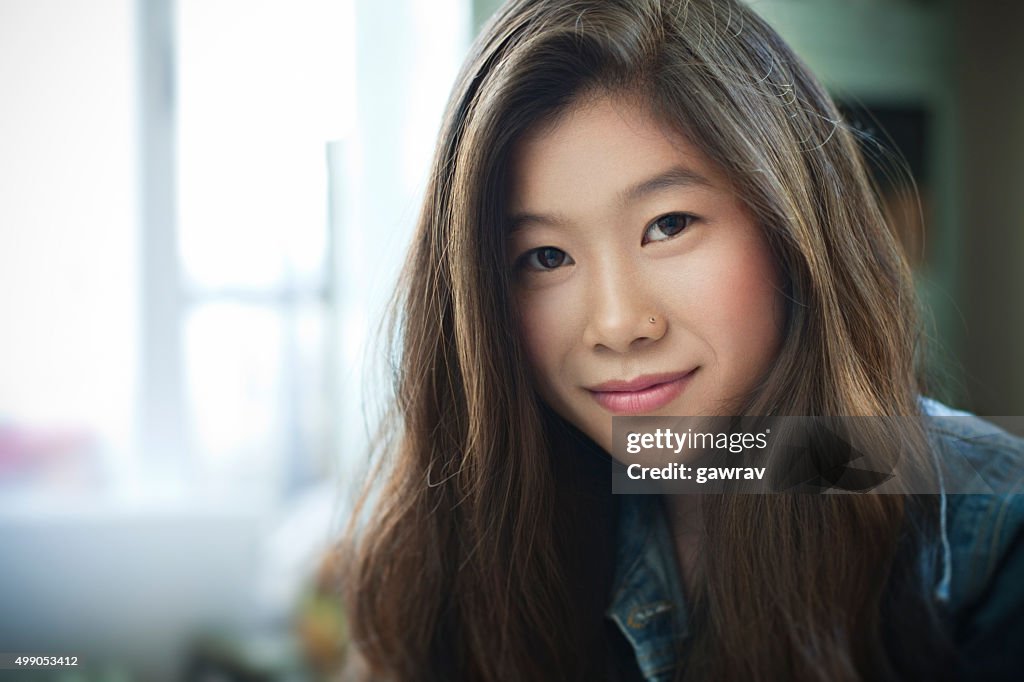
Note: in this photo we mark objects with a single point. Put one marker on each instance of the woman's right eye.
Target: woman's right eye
(545, 258)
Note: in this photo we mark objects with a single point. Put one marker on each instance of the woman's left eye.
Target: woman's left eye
(667, 226)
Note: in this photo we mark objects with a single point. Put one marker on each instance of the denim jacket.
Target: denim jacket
(980, 580)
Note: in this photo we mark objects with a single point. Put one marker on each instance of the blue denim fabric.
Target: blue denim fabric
(647, 598)
(980, 581)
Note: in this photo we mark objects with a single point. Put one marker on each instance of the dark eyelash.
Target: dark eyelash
(689, 219)
(522, 262)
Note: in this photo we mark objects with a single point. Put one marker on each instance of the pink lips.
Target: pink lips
(643, 394)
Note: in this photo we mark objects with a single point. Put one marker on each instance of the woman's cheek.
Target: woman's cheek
(748, 311)
(544, 316)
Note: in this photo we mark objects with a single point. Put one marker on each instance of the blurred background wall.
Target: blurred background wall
(989, 76)
(203, 207)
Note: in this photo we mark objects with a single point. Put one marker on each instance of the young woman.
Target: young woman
(651, 207)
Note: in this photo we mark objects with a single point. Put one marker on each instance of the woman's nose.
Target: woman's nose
(621, 313)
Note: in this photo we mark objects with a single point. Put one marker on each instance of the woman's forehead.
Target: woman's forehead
(607, 148)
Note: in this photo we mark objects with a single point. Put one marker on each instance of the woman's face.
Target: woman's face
(642, 283)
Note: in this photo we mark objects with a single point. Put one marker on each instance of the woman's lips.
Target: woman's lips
(640, 395)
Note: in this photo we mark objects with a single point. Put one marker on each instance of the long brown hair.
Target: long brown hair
(485, 547)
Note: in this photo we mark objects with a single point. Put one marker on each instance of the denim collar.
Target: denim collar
(648, 605)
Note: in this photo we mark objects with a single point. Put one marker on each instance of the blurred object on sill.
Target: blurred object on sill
(263, 657)
(320, 622)
(53, 457)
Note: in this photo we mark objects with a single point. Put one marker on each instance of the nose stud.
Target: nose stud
(650, 319)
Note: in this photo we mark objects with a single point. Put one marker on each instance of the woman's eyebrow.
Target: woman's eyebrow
(520, 220)
(677, 176)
